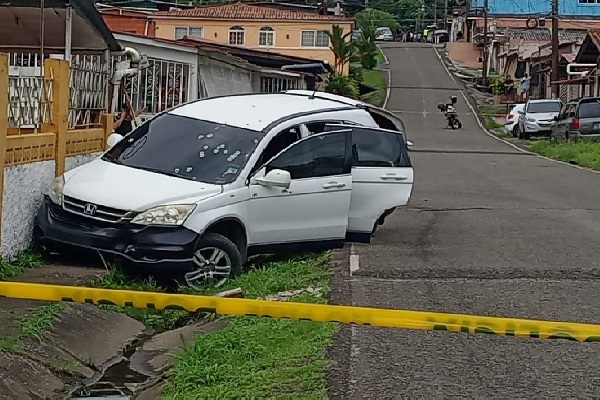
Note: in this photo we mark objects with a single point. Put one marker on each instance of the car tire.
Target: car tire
(515, 131)
(216, 260)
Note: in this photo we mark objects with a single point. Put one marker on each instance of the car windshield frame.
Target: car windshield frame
(545, 107)
(187, 148)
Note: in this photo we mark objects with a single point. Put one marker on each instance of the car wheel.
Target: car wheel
(515, 132)
(215, 261)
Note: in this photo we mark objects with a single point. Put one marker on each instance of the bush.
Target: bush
(342, 85)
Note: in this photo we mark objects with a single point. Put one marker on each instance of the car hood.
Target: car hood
(125, 188)
(543, 116)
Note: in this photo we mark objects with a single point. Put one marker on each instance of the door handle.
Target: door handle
(333, 185)
(393, 177)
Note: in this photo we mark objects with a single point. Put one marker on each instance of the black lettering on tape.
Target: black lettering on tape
(483, 329)
(561, 335)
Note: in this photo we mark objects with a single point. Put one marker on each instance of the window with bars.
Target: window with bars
(266, 36)
(191, 31)
(237, 35)
(270, 84)
(314, 39)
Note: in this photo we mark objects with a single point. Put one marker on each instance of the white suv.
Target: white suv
(537, 117)
(200, 187)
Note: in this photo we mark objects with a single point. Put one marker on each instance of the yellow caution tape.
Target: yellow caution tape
(406, 319)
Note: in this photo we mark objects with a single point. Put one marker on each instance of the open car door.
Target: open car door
(382, 178)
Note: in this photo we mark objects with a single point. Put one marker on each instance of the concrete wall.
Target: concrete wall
(220, 78)
(24, 186)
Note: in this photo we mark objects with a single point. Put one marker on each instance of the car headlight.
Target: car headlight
(529, 119)
(174, 214)
(56, 190)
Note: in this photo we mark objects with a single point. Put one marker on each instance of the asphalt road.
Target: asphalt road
(489, 231)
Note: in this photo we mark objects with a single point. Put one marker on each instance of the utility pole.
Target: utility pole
(445, 13)
(555, 52)
(485, 42)
(435, 12)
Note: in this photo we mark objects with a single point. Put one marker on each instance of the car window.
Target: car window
(589, 109)
(186, 147)
(279, 142)
(319, 126)
(317, 156)
(374, 148)
(544, 107)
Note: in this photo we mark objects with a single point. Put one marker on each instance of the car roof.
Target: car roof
(544, 101)
(329, 96)
(254, 111)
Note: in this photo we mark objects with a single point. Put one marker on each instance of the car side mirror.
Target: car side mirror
(521, 112)
(275, 177)
(113, 139)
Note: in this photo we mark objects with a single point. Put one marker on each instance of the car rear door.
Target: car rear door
(382, 178)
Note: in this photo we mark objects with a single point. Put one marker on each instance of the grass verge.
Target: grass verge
(583, 153)
(489, 122)
(379, 56)
(376, 79)
(26, 260)
(261, 357)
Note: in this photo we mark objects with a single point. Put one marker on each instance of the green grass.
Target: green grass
(488, 118)
(583, 153)
(32, 325)
(26, 260)
(380, 57)
(375, 78)
(261, 357)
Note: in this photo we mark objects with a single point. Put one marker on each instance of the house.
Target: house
(568, 8)
(289, 32)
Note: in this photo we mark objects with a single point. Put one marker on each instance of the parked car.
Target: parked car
(200, 187)
(537, 117)
(578, 119)
(512, 119)
(442, 36)
(384, 34)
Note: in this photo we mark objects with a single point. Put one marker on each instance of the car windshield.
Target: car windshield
(544, 107)
(188, 148)
(589, 109)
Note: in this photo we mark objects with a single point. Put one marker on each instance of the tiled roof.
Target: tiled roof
(594, 35)
(543, 35)
(563, 23)
(242, 11)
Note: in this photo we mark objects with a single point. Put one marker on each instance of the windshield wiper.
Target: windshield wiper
(110, 158)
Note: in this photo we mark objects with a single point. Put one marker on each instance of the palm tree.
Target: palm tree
(341, 46)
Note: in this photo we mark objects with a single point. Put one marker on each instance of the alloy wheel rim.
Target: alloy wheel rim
(212, 266)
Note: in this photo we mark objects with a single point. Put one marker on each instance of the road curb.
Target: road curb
(490, 134)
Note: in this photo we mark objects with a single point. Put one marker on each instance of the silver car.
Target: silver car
(538, 117)
(578, 119)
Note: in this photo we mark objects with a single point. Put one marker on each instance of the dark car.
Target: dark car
(578, 119)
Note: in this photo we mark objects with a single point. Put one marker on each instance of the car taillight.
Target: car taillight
(575, 123)
(510, 116)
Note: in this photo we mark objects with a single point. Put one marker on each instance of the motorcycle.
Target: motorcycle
(450, 113)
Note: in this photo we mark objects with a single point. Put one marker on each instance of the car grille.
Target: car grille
(94, 211)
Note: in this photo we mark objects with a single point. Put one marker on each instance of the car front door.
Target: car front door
(382, 179)
(313, 210)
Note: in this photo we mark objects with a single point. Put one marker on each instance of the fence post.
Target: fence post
(107, 121)
(59, 71)
(3, 125)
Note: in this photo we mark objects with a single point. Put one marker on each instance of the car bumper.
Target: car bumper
(143, 246)
(592, 135)
(536, 128)
(509, 126)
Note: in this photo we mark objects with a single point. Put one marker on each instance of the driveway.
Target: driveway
(490, 230)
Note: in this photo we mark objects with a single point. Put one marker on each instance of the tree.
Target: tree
(371, 18)
(343, 85)
(366, 48)
(341, 46)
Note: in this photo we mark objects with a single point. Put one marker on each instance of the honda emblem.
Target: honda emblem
(89, 209)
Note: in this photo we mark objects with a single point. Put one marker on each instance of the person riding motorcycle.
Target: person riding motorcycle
(450, 113)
